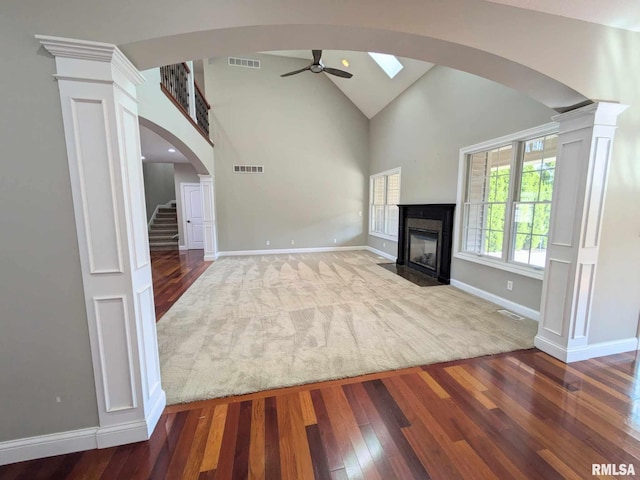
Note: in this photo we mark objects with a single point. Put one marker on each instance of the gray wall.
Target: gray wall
(183, 173)
(313, 143)
(423, 130)
(159, 185)
(44, 339)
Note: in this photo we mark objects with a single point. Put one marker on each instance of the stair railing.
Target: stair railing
(178, 83)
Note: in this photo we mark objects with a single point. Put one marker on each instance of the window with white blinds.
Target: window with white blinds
(383, 204)
(506, 202)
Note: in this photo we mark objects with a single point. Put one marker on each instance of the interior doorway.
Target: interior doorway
(192, 215)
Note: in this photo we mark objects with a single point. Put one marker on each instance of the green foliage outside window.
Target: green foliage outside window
(532, 220)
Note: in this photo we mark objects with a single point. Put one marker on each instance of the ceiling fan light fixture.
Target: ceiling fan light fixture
(318, 67)
(345, 62)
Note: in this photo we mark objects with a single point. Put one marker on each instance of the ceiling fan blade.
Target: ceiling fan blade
(316, 56)
(338, 73)
(294, 72)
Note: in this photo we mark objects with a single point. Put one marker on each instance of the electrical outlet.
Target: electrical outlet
(335, 240)
(293, 242)
(58, 400)
(509, 285)
(360, 213)
(384, 244)
(268, 243)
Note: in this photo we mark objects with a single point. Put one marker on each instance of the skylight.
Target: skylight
(389, 63)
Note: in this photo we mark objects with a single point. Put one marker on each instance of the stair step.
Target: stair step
(165, 220)
(167, 210)
(158, 248)
(162, 237)
(163, 242)
(157, 228)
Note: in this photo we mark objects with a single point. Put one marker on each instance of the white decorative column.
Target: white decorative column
(584, 149)
(209, 217)
(100, 116)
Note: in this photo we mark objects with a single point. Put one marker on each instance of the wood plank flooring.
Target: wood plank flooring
(521, 415)
(173, 273)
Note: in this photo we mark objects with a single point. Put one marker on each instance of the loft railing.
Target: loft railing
(202, 109)
(175, 79)
(178, 83)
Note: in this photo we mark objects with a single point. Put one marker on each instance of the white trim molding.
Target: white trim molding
(47, 445)
(284, 251)
(61, 443)
(585, 143)
(207, 194)
(586, 352)
(97, 87)
(493, 262)
(503, 302)
(381, 253)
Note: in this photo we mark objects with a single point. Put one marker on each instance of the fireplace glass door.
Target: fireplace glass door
(423, 248)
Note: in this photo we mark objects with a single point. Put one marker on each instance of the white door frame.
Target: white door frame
(183, 209)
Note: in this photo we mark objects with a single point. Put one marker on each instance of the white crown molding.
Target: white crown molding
(503, 302)
(598, 113)
(92, 51)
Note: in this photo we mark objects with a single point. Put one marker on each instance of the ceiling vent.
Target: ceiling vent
(244, 62)
(248, 169)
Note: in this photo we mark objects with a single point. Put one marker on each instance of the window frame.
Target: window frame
(385, 174)
(516, 140)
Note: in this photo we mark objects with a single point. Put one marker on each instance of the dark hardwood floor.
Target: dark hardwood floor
(521, 415)
(173, 273)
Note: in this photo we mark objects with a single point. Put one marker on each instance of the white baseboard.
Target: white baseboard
(284, 251)
(182, 248)
(381, 253)
(47, 445)
(61, 443)
(503, 302)
(586, 352)
(121, 434)
(210, 258)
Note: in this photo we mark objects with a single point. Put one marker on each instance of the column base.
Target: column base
(586, 352)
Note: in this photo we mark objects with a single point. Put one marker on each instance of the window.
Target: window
(506, 203)
(383, 204)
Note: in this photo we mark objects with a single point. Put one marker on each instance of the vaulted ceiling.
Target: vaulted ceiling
(370, 89)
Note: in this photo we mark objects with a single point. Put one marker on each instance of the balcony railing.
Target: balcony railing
(202, 109)
(178, 83)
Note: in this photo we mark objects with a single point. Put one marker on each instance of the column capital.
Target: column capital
(597, 113)
(87, 60)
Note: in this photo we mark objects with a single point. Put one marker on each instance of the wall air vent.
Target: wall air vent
(248, 169)
(511, 315)
(244, 62)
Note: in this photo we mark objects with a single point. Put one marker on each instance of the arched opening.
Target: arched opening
(543, 89)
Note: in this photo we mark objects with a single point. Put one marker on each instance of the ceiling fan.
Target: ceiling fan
(317, 67)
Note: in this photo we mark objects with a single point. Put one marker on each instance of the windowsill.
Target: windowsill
(393, 238)
(530, 272)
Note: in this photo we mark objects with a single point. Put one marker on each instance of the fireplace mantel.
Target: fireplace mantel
(442, 213)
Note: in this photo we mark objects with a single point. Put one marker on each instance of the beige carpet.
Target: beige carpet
(260, 322)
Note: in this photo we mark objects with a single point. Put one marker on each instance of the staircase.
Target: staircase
(163, 230)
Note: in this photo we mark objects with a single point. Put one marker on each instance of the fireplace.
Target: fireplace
(423, 248)
(425, 238)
